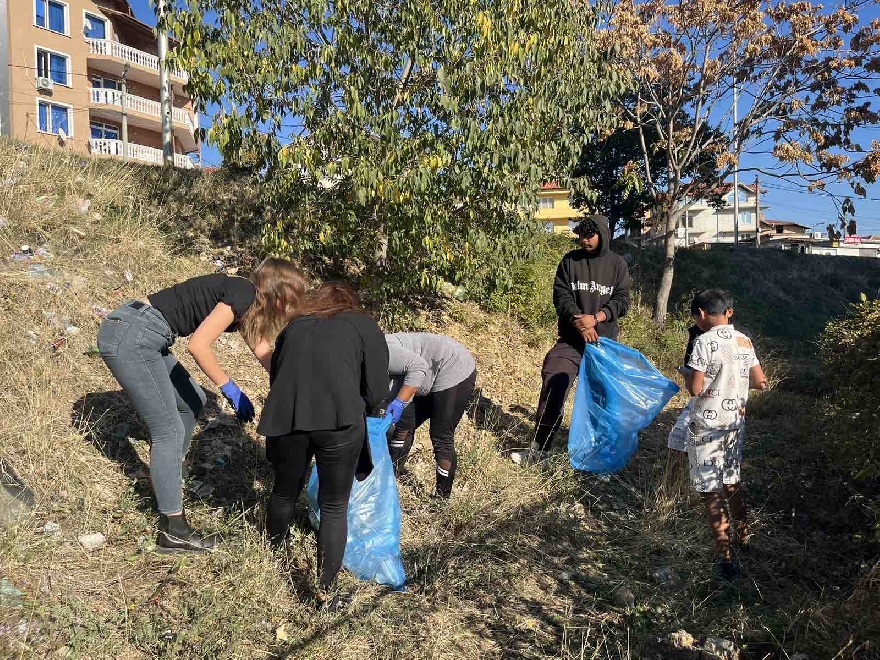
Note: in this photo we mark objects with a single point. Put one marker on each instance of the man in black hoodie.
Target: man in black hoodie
(591, 293)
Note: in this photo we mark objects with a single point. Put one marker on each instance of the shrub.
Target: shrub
(850, 353)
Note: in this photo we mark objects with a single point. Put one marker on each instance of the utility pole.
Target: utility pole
(735, 171)
(165, 90)
(125, 70)
(757, 211)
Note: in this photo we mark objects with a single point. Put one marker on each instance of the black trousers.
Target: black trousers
(560, 370)
(445, 410)
(336, 457)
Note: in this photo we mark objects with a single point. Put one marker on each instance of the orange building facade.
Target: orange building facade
(66, 60)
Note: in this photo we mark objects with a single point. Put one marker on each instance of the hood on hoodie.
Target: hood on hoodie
(604, 233)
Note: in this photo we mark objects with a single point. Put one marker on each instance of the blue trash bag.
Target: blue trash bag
(372, 550)
(619, 393)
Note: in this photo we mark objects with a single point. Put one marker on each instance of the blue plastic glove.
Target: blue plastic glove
(395, 409)
(244, 409)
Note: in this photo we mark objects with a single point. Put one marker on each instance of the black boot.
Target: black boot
(175, 535)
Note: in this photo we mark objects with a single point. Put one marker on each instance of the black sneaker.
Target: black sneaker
(728, 570)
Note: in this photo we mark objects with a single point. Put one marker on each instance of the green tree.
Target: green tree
(429, 125)
(616, 183)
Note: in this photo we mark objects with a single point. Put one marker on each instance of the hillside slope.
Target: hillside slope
(523, 563)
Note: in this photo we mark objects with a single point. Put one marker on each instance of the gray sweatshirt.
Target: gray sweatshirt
(432, 363)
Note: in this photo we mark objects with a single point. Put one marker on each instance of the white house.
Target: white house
(851, 246)
(702, 224)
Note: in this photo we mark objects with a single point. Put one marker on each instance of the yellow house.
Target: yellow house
(555, 210)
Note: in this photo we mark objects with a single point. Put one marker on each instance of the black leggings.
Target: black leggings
(336, 456)
(445, 410)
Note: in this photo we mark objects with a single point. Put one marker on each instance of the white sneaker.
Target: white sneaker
(530, 456)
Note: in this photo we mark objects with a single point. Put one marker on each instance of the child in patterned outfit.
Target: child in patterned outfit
(723, 369)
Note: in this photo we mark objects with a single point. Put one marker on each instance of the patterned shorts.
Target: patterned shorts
(714, 458)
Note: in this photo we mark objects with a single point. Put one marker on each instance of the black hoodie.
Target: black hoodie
(588, 284)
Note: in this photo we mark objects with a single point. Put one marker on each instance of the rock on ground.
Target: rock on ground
(92, 541)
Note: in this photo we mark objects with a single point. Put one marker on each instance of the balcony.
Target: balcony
(143, 113)
(137, 152)
(111, 56)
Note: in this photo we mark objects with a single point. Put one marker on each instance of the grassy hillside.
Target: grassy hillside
(523, 563)
(783, 295)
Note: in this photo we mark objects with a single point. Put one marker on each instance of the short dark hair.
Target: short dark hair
(714, 302)
(586, 226)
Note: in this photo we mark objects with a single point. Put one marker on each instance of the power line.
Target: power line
(808, 192)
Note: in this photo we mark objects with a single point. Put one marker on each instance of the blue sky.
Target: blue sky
(786, 201)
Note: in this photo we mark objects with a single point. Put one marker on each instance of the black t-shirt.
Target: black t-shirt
(187, 304)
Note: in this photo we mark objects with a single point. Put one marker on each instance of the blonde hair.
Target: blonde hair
(280, 285)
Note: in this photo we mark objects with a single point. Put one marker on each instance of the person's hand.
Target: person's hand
(244, 409)
(583, 322)
(590, 336)
(395, 409)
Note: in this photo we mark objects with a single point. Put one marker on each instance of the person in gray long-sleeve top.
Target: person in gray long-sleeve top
(433, 378)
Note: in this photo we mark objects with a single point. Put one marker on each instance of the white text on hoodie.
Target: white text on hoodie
(593, 287)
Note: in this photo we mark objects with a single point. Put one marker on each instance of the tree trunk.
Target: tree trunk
(665, 288)
(381, 253)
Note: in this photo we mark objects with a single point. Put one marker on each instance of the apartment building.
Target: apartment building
(555, 209)
(702, 224)
(66, 61)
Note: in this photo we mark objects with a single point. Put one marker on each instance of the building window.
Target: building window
(51, 15)
(100, 82)
(745, 217)
(779, 229)
(53, 65)
(101, 131)
(547, 203)
(54, 118)
(95, 27)
(549, 227)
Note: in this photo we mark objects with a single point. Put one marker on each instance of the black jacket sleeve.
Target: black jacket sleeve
(564, 299)
(374, 369)
(618, 305)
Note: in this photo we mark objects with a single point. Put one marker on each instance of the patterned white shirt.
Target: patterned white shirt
(725, 356)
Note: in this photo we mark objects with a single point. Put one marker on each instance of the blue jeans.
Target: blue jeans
(135, 342)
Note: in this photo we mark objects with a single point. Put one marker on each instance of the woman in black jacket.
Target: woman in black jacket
(329, 370)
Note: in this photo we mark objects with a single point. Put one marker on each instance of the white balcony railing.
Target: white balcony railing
(101, 147)
(120, 51)
(100, 96)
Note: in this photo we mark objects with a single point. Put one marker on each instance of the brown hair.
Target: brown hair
(330, 299)
(280, 285)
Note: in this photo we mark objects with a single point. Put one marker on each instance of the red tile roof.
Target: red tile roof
(783, 223)
(552, 185)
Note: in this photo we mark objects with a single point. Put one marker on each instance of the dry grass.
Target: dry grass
(522, 563)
